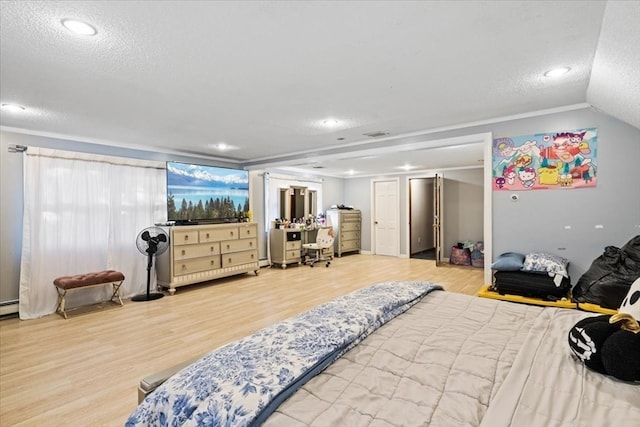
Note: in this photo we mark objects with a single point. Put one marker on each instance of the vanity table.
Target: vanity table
(285, 245)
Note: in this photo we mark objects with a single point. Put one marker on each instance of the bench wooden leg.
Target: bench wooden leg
(116, 292)
(60, 308)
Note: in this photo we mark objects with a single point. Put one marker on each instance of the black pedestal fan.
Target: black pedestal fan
(151, 241)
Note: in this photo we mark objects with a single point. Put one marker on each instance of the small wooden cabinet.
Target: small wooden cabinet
(285, 246)
(347, 224)
(198, 253)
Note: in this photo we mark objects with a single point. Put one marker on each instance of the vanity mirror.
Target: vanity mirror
(298, 202)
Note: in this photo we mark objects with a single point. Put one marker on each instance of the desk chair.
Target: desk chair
(324, 240)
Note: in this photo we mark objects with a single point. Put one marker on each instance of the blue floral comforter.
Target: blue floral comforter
(241, 383)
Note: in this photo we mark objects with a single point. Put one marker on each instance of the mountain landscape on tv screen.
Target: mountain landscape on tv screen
(198, 192)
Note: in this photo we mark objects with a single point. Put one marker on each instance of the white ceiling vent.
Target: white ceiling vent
(376, 133)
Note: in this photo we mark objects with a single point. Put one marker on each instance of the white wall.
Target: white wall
(10, 220)
(463, 207)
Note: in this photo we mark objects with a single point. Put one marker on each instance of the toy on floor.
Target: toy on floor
(610, 344)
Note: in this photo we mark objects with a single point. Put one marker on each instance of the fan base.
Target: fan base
(147, 297)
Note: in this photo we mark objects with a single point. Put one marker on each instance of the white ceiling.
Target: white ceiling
(181, 76)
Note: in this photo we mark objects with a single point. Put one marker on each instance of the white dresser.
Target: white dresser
(198, 253)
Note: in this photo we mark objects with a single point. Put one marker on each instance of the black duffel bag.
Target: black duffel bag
(610, 276)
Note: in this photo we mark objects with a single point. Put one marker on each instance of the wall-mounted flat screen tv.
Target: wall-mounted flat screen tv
(201, 193)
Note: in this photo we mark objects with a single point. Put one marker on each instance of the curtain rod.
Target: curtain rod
(13, 148)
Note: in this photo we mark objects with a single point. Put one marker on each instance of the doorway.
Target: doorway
(426, 218)
(422, 243)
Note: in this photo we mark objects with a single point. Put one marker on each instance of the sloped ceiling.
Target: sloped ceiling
(614, 86)
(270, 79)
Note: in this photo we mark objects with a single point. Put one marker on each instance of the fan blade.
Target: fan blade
(162, 238)
(145, 236)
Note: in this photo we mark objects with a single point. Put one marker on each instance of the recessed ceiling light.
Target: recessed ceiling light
(557, 72)
(223, 146)
(13, 108)
(78, 27)
(330, 123)
(407, 167)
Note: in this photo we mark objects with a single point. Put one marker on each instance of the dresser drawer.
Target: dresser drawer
(236, 258)
(293, 236)
(293, 245)
(238, 245)
(350, 235)
(292, 255)
(349, 245)
(350, 226)
(184, 237)
(247, 231)
(215, 235)
(187, 266)
(195, 251)
(351, 217)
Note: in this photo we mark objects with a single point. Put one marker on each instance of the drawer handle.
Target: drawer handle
(228, 246)
(250, 243)
(252, 256)
(186, 237)
(184, 266)
(184, 252)
(229, 260)
(248, 231)
(231, 232)
(212, 249)
(207, 235)
(212, 262)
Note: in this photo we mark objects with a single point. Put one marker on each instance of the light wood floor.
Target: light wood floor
(84, 371)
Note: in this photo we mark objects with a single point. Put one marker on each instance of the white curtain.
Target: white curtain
(82, 213)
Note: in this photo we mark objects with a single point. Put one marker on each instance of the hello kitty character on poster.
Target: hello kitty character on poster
(555, 160)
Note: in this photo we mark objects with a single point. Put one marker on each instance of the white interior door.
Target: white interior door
(386, 234)
(437, 217)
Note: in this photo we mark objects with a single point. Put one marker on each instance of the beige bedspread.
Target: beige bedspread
(448, 362)
(438, 364)
(547, 387)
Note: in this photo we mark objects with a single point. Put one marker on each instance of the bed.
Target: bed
(398, 354)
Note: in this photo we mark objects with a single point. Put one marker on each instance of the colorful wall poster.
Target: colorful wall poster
(557, 160)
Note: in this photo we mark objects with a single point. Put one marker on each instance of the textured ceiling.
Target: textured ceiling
(181, 76)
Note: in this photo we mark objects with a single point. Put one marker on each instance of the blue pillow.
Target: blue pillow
(509, 261)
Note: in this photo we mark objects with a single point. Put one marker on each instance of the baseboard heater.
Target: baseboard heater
(8, 307)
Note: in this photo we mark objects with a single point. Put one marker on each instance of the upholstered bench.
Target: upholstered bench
(99, 278)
